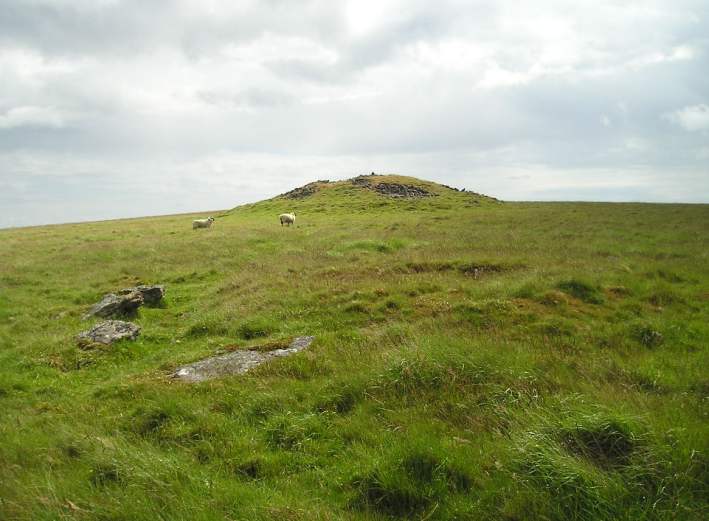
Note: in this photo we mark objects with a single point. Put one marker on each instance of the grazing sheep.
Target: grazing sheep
(202, 223)
(287, 218)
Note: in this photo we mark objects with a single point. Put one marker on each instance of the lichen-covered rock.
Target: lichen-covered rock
(152, 295)
(113, 305)
(108, 332)
(237, 362)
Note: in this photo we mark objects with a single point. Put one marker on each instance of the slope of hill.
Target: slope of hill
(472, 360)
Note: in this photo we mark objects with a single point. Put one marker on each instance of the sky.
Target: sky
(120, 108)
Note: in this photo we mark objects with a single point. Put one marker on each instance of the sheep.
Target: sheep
(202, 223)
(287, 218)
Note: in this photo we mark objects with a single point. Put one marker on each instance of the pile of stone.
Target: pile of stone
(391, 189)
(399, 190)
(120, 304)
(303, 191)
(236, 362)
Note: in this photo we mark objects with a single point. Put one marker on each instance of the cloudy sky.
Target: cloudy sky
(114, 108)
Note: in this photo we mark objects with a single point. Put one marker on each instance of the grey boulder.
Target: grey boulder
(112, 305)
(152, 295)
(108, 332)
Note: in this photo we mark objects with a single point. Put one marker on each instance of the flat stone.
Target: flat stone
(236, 362)
(108, 332)
(112, 305)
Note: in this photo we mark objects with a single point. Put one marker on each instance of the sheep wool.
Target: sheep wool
(202, 223)
(287, 218)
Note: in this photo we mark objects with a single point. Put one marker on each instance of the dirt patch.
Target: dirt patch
(236, 362)
(474, 270)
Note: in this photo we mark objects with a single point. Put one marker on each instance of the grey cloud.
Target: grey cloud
(126, 27)
(249, 98)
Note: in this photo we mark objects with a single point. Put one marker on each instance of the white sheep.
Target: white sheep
(202, 223)
(287, 218)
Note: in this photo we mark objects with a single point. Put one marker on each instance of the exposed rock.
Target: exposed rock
(298, 344)
(116, 305)
(236, 362)
(399, 190)
(152, 295)
(108, 332)
(302, 191)
(391, 189)
(360, 180)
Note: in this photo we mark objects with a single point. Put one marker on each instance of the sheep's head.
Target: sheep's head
(210, 219)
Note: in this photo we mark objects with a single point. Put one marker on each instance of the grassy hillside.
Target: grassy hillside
(473, 360)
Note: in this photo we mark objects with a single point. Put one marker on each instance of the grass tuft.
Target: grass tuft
(257, 328)
(581, 290)
(409, 481)
(607, 442)
(294, 432)
(104, 474)
(647, 335)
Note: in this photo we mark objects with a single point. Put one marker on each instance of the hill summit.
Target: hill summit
(396, 186)
(394, 192)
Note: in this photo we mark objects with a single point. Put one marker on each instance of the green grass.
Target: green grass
(473, 360)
